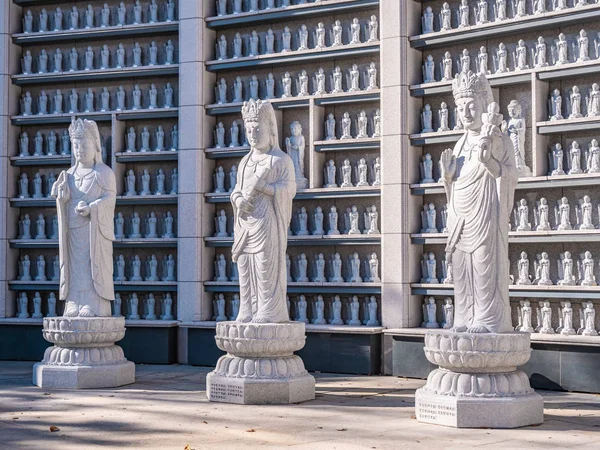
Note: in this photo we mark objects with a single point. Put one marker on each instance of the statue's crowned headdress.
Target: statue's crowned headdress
(473, 85)
(86, 129)
(261, 111)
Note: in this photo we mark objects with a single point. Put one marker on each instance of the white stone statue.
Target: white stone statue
(374, 269)
(372, 77)
(565, 326)
(429, 70)
(524, 315)
(443, 117)
(583, 47)
(584, 214)
(540, 54)
(354, 84)
(501, 59)
(586, 270)
(318, 220)
(516, 129)
(373, 29)
(85, 200)
(302, 269)
(354, 312)
(260, 239)
(428, 219)
(557, 160)
(427, 169)
(330, 128)
(566, 275)
(286, 40)
(429, 269)
(333, 222)
(463, 14)
(593, 157)
(544, 315)
(361, 125)
(587, 315)
(337, 80)
(430, 313)
(542, 270)
(353, 217)
(522, 216)
(22, 306)
(445, 17)
(427, 21)
(466, 179)
(346, 126)
(575, 159)
(562, 214)
(560, 52)
(372, 306)
(575, 99)
(520, 56)
(295, 149)
(523, 270)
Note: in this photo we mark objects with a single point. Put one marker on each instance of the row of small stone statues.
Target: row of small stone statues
(566, 266)
(253, 45)
(562, 52)
(131, 183)
(361, 124)
(544, 316)
(90, 61)
(151, 268)
(149, 307)
(103, 103)
(107, 17)
(135, 274)
(334, 312)
(348, 177)
(55, 143)
(584, 211)
(573, 162)
(574, 107)
(465, 16)
(159, 138)
(360, 270)
(151, 227)
(225, 7)
(241, 92)
(299, 225)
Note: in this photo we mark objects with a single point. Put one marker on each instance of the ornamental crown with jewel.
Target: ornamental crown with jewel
(82, 128)
(470, 84)
(254, 110)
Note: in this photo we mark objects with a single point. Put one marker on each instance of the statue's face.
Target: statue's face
(470, 110)
(84, 150)
(258, 136)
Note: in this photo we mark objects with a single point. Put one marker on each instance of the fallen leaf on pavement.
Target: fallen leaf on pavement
(54, 428)
(343, 429)
(251, 430)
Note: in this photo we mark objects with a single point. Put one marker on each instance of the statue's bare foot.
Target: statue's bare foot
(477, 329)
(260, 320)
(71, 310)
(86, 311)
(460, 329)
(245, 319)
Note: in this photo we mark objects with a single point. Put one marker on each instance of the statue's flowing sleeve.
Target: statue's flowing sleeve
(102, 234)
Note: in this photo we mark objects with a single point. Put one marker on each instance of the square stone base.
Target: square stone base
(248, 391)
(83, 377)
(466, 412)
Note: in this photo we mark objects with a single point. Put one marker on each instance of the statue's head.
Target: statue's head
(472, 95)
(260, 125)
(85, 141)
(296, 128)
(514, 109)
(523, 255)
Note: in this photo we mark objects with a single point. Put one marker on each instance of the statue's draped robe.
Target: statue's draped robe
(85, 243)
(261, 236)
(479, 208)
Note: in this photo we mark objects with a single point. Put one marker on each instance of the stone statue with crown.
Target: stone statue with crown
(260, 366)
(84, 354)
(478, 358)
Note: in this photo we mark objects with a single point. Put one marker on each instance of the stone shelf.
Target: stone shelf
(120, 286)
(341, 98)
(164, 155)
(496, 80)
(437, 137)
(535, 337)
(347, 144)
(292, 12)
(119, 243)
(121, 200)
(520, 237)
(226, 152)
(304, 288)
(159, 70)
(17, 321)
(96, 33)
(167, 199)
(543, 182)
(518, 291)
(98, 116)
(306, 194)
(310, 328)
(340, 239)
(143, 323)
(515, 26)
(294, 57)
(46, 160)
(568, 125)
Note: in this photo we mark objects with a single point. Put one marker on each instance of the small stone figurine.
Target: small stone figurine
(430, 313)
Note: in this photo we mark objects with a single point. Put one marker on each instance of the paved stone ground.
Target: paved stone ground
(167, 409)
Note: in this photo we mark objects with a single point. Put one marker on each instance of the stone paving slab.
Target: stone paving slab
(167, 409)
